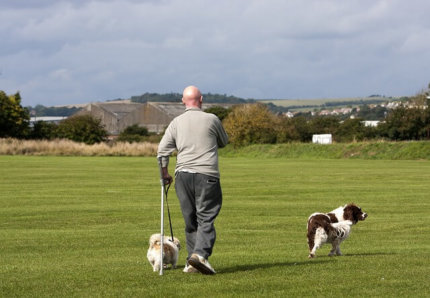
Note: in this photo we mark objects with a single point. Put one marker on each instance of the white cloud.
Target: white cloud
(75, 51)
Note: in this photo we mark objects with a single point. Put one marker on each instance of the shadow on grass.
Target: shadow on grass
(319, 260)
(250, 267)
(369, 254)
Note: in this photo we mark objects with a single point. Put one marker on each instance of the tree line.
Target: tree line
(256, 124)
(41, 110)
(15, 123)
(246, 123)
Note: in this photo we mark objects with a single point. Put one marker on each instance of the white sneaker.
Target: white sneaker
(201, 264)
(190, 269)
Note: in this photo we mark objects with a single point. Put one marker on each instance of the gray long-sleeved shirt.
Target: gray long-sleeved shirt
(197, 136)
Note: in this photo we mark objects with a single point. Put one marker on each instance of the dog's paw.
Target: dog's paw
(311, 256)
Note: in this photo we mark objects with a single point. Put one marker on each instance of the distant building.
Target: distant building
(118, 115)
(289, 114)
(372, 123)
(114, 116)
(50, 119)
(322, 139)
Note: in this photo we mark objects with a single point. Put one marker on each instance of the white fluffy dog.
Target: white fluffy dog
(170, 251)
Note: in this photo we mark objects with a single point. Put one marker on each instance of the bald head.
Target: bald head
(191, 97)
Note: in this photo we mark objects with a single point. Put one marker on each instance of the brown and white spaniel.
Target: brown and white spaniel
(333, 227)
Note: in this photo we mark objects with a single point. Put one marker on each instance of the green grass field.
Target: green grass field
(79, 226)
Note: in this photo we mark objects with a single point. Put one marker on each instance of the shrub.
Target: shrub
(324, 124)
(221, 112)
(135, 130)
(43, 131)
(82, 128)
(407, 124)
(133, 133)
(251, 124)
(350, 130)
(14, 119)
(294, 129)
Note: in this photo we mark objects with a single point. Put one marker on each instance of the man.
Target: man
(196, 136)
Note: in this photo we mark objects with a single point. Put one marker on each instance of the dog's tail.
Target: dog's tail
(315, 222)
(313, 225)
(155, 239)
(311, 235)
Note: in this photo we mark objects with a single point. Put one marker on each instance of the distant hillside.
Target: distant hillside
(275, 105)
(176, 97)
(308, 104)
(68, 110)
(63, 111)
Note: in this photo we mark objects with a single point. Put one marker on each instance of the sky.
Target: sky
(58, 52)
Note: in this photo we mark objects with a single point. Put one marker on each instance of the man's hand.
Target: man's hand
(167, 179)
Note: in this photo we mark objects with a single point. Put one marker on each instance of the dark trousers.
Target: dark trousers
(200, 197)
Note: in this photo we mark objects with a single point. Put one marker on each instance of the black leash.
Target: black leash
(166, 190)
